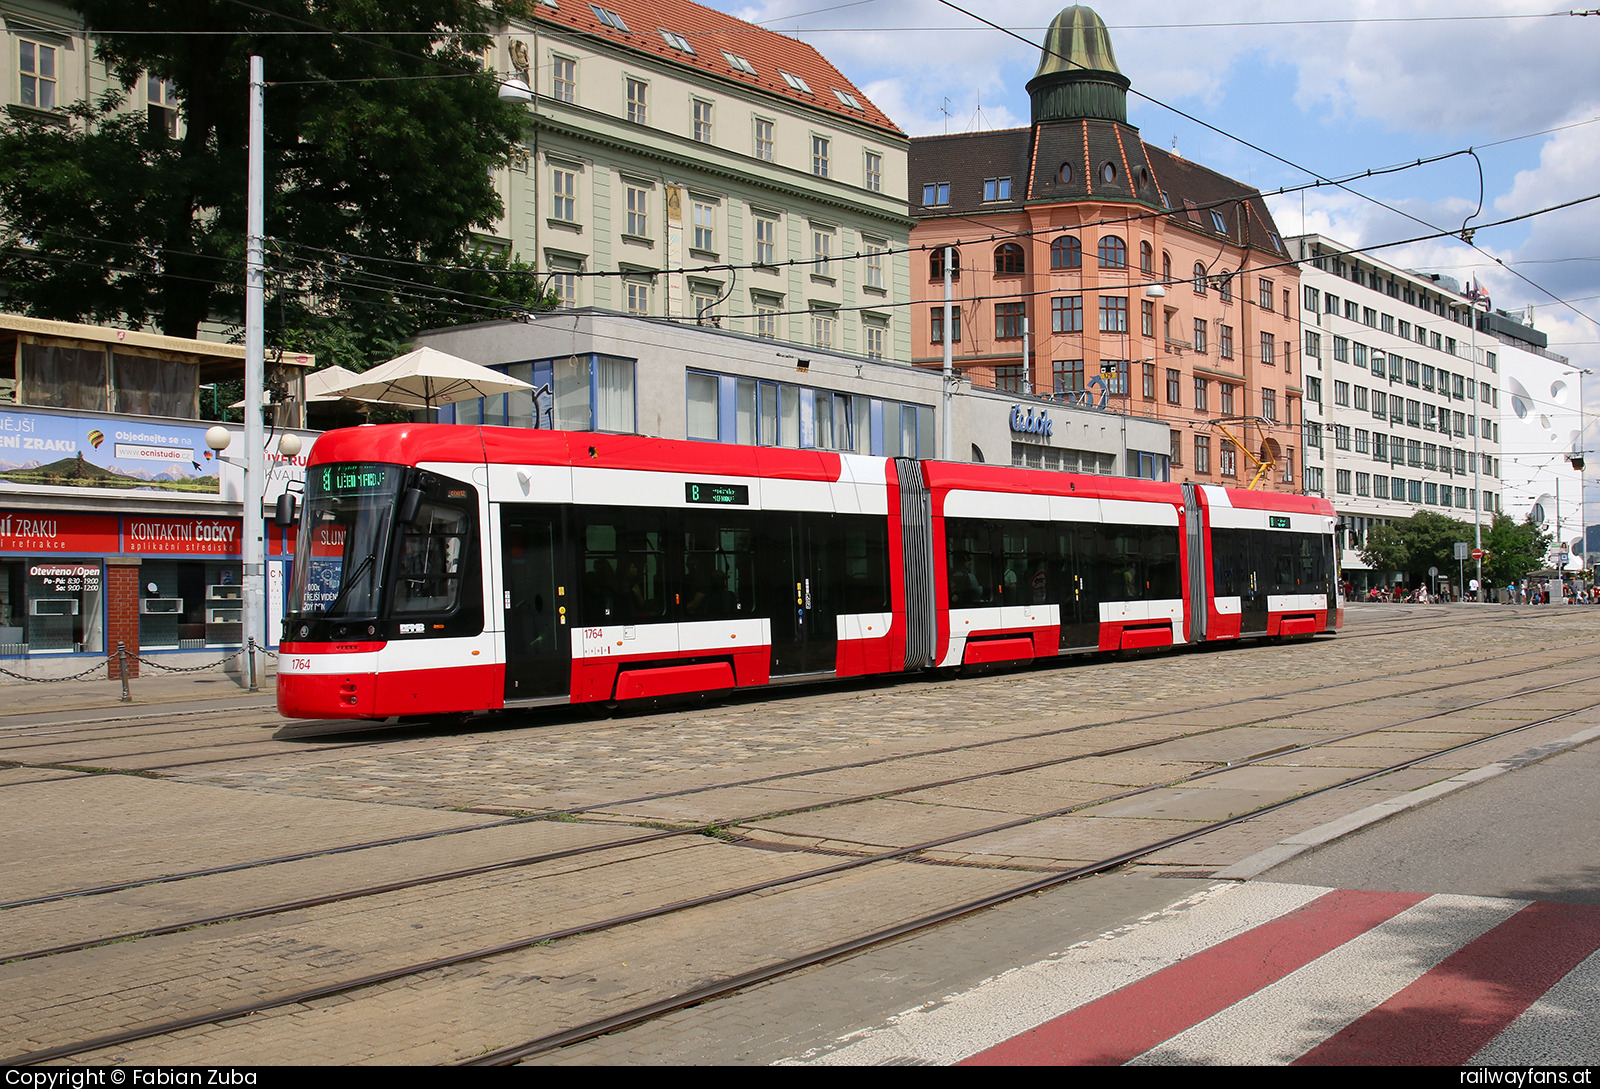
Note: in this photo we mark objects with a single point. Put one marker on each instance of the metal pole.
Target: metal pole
(252, 604)
(949, 366)
(1477, 428)
(122, 670)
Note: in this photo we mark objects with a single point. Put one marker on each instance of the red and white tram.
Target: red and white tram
(444, 569)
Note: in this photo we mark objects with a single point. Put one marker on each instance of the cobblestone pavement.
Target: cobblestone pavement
(850, 769)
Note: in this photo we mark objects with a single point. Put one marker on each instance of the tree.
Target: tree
(380, 140)
(1385, 550)
(1514, 549)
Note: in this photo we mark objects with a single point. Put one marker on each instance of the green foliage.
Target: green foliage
(380, 142)
(1515, 549)
(1385, 550)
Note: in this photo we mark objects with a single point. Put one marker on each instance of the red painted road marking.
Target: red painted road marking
(1470, 997)
(1130, 1021)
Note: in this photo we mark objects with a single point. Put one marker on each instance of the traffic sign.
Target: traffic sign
(1480, 553)
(1462, 550)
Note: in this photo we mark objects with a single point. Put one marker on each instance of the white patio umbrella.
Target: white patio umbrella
(427, 378)
(318, 383)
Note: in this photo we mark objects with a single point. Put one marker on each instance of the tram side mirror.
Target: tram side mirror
(410, 503)
(285, 515)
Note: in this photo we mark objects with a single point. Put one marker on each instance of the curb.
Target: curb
(1301, 842)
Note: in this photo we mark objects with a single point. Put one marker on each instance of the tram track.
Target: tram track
(645, 1012)
(793, 776)
(731, 821)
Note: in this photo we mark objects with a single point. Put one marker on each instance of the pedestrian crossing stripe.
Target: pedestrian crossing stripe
(1267, 973)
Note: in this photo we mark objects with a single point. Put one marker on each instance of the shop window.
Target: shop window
(51, 605)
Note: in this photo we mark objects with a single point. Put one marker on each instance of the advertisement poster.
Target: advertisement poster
(50, 531)
(39, 449)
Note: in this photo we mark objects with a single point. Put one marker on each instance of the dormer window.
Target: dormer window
(677, 41)
(609, 18)
(795, 82)
(1216, 221)
(739, 64)
(847, 99)
(996, 189)
(935, 194)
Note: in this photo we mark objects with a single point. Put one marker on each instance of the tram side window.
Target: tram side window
(431, 564)
(1234, 562)
(1139, 563)
(971, 571)
(718, 567)
(1030, 563)
(624, 568)
(864, 573)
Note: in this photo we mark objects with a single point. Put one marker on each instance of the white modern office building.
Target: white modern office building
(1403, 399)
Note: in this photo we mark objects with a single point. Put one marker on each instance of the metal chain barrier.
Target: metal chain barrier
(188, 669)
(118, 661)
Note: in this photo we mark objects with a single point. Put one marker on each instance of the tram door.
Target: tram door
(539, 599)
(800, 556)
(1240, 568)
(1081, 586)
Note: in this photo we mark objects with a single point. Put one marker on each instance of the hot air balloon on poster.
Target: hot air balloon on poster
(96, 437)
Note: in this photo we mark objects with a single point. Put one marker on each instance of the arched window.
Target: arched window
(1199, 278)
(1225, 285)
(1147, 258)
(1066, 252)
(1166, 267)
(1113, 252)
(936, 264)
(1008, 259)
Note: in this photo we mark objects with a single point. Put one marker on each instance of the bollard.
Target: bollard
(250, 656)
(122, 670)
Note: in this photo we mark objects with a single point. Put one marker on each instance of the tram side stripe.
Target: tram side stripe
(1455, 1009)
(1128, 1022)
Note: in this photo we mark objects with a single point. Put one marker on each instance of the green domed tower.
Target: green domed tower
(1078, 77)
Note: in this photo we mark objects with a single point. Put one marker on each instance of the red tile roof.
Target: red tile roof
(710, 33)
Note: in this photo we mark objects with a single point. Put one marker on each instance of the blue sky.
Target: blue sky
(1384, 83)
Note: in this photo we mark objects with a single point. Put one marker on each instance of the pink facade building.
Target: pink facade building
(1095, 269)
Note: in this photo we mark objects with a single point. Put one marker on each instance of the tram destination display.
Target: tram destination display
(717, 495)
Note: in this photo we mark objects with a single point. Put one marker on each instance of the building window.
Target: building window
(1113, 252)
(822, 252)
(936, 325)
(823, 325)
(766, 321)
(37, 67)
(935, 194)
(1202, 454)
(1227, 397)
(638, 212)
(996, 189)
(1199, 278)
(705, 227)
(1266, 293)
(1341, 481)
(1147, 381)
(1115, 372)
(1202, 390)
(1066, 252)
(609, 18)
(1200, 335)
(1147, 259)
(764, 139)
(1225, 341)
(1229, 459)
(1008, 378)
(766, 239)
(161, 106)
(1363, 483)
(873, 265)
(1174, 387)
(563, 189)
(874, 173)
(564, 79)
(1008, 321)
(819, 156)
(1008, 259)
(1225, 287)
(1341, 436)
(1269, 405)
(1266, 349)
(702, 121)
(1066, 314)
(795, 82)
(1314, 391)
(638, 299)
(876, 336)
(703, 397)
(936, 263)
(1068, 375)
(565, 286)
(637, 112)
(1313, 347)
(1113, 314)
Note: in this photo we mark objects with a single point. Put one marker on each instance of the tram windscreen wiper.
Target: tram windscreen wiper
(350, 582)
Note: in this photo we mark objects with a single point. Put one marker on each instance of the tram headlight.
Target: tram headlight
(372, 629)
(305, 630)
